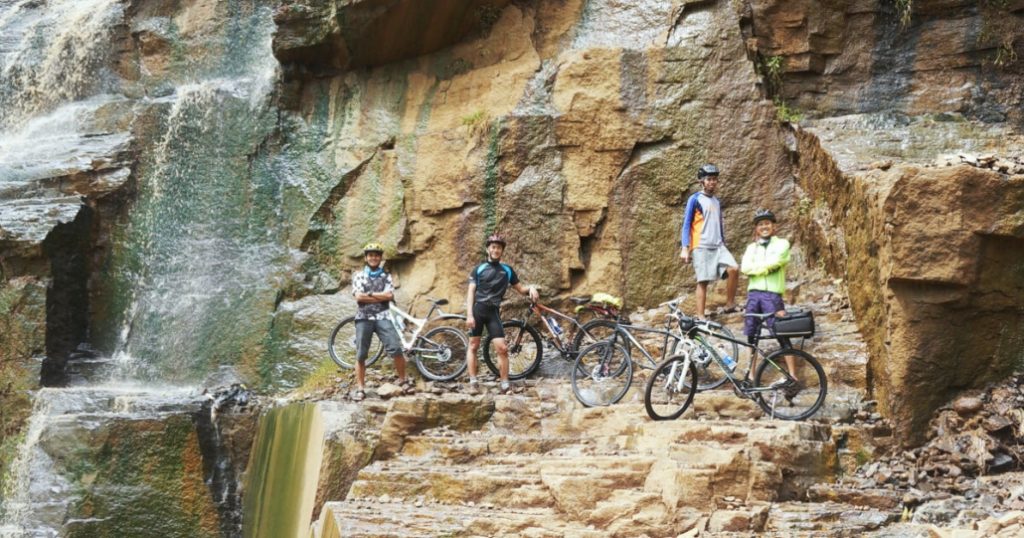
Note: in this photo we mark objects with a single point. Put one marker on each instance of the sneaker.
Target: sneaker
(359, 395)
(509, 388)
(473, 388)
(408, 386)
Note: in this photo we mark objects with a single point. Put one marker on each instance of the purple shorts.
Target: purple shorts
(761, 302)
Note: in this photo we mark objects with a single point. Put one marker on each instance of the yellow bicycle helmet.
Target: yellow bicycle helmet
(373, 247)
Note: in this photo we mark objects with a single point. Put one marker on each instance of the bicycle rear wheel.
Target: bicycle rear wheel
(524, 349)
(341, 345)
(793, 397)
(441, 354)
(670, 389)
(602, 374)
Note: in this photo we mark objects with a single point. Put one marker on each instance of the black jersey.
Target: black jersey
(492, 280)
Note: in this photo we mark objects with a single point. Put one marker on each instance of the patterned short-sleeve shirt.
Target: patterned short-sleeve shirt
(367, 281)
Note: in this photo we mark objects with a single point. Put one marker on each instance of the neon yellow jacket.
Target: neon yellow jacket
(766, 265)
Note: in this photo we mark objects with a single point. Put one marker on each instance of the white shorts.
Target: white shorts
(711, 263)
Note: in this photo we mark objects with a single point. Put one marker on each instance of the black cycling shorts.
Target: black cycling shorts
(487, 315)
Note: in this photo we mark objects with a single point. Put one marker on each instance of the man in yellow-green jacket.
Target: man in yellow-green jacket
(764, 263)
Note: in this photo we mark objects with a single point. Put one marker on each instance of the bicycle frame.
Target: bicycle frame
(698, 333)
(625, 330)
(397, 316)
(556, 339)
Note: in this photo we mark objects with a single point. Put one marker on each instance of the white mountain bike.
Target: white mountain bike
(440, 354)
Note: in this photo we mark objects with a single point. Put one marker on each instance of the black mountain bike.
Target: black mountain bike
(525, 349)
(787, 383)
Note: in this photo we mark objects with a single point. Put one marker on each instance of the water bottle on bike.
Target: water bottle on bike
(730, 363)
(553, 323)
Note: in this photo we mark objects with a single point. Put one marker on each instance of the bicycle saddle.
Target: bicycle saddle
(583, 299)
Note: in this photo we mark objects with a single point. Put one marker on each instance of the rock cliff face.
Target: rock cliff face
(930, 243)
(201, 201)
(573, 127)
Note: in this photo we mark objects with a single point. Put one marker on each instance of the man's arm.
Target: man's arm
(747, 265)
(527, 290)
(374, 297)
(363, 297)
(684, 234)
(779, 258)
(774, 260)
(470, 298)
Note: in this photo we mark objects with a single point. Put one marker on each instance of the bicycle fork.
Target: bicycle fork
(680, 370)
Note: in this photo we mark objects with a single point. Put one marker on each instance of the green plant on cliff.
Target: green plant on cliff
(490, 195)
(803, 207)
(770, 70)
(786, 113)
(999, 31)
(1005, 55)
(903, 11)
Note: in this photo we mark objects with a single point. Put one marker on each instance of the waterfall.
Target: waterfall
(193, 269)
(198, 264)
(53, 53)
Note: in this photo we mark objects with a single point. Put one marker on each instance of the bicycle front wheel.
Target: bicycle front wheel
(341, 345)
(524, 349)
(790, 384)
(602, 374)
(710, 374)
(441, 354)
(670, 389)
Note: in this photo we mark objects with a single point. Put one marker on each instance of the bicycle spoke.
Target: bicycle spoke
(601, 374)
(441, 354)
(669, 390)
(791, 385)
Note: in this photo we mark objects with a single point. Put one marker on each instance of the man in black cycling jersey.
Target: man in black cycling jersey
(487, 285)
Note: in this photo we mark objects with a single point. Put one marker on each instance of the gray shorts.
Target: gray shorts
(384, 329)
(711, 263)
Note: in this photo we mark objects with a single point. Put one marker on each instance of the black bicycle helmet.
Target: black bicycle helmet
(495, 238)
(707, 170)
(762, 214)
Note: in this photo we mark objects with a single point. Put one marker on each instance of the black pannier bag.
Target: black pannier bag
(798, 322)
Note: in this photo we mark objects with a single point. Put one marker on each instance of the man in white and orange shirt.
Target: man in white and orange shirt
(703, 239)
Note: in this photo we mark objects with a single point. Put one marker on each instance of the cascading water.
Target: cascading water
(193, 270)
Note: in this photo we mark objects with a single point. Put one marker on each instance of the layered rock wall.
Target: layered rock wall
(574, 128)
(930, 247)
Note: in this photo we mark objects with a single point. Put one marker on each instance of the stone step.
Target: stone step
(501, 480)
(888, 500)
(457, 447)
(834, 519)
(413, 518)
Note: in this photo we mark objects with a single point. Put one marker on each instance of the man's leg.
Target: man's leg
(702, 297)
(364, 333)
(388, 335)
(361, 373)
(733, 278)
(502, 349)
(474, 345)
